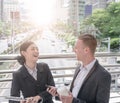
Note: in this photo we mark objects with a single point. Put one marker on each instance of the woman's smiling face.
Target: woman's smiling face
(31, 53)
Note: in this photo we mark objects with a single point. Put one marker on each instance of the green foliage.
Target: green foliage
(70, 39)
(115, 43)
(63, 27)
(114, 9)
(6, 27)
(108, 22)
(65, 32)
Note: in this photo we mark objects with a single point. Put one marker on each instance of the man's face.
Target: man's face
(79, 49)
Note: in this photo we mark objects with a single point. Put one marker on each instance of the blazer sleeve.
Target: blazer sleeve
(50, 81)
(15, 87)
(75, 100)
(103, 93)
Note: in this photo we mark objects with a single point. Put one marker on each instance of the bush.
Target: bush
(114, 43)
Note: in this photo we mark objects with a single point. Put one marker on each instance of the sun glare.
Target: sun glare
(41, 11)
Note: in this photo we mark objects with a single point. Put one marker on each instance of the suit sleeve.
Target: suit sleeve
(50, 81)
(75, 100)
(15, 89)
(104, 89)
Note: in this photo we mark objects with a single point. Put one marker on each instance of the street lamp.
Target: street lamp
(12, 36)
(14, 16)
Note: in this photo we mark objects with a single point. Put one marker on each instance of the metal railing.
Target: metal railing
(9, 58)
(108, 60)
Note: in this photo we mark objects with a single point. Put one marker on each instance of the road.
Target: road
(4, 43)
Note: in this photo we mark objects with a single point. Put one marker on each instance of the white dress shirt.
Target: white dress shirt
(32, 72)
(81, 76)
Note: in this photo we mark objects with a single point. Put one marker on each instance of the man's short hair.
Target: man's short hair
(89, 40)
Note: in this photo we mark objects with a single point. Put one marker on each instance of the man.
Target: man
(91, 82)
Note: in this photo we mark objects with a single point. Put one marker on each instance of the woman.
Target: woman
(32, 77)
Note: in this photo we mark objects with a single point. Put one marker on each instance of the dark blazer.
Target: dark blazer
(25, 83)
(96, 86)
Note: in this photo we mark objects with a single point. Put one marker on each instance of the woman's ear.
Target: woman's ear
(23, 53)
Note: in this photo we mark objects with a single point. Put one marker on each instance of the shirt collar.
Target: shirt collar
(89, 66)
(31, 70)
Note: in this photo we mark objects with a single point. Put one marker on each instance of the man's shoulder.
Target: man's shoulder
(103, 71)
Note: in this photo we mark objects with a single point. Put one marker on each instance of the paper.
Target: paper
(63, 91)
(15, 98)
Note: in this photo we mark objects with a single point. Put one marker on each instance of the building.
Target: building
(1, 10)
(9, 10)
(76, 14)
(100, 3)
(88, 10)
(97, 3)
(61, 12)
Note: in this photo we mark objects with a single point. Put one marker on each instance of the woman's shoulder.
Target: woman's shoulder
(19, 71)
(42, 66)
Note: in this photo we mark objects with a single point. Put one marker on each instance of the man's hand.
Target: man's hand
(67, 99)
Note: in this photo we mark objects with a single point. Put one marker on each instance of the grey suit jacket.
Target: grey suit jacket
(24, 82)
(96, 86)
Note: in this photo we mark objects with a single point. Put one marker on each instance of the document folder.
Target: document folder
(15, 98)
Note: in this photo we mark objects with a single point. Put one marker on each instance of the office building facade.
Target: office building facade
(76, 14)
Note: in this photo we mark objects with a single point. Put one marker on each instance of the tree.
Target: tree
(106, 20)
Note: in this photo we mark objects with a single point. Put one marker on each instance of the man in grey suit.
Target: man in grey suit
(91, 82)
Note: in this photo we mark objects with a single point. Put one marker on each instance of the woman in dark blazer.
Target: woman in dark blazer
(32, 77)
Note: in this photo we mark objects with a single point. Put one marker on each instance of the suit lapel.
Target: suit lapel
(26, 75)
(76, 73)
(39, 72)
(89, 74)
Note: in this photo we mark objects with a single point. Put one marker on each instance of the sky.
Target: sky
(41, 11)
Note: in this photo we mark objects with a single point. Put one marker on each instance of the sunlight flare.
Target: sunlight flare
(41, 11)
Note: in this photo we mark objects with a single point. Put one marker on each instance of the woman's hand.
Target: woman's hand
(52, 90)
(34, 99)
(29, 100)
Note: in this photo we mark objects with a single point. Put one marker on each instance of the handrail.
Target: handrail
(11, 57)
(64, 68)
(115, 73)
(55, 76)
(59, 55)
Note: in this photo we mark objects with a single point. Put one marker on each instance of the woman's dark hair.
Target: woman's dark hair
(23, 47)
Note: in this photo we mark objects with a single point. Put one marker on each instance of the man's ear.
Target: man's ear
(86, 50)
